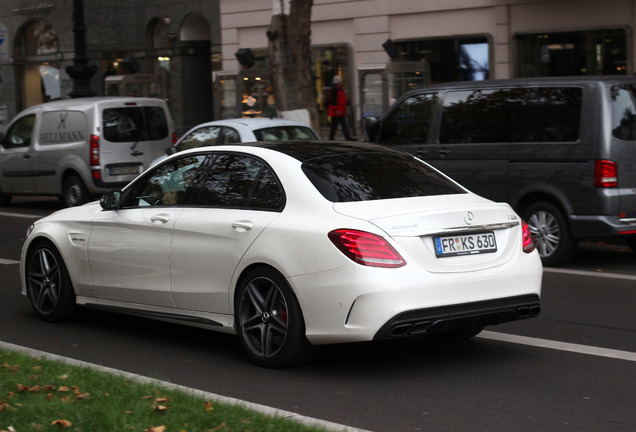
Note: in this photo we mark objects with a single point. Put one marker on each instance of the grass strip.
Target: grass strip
(38, 394)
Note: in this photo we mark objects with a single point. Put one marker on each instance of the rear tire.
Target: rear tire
(48, 285)
(269, 322)
(550, 233)
(74, 192)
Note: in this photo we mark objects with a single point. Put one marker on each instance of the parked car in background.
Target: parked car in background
(290, 245)
(561, 150)
(79, 148)
(241, 130)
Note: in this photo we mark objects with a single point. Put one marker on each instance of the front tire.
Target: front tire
(269, 322)
(550, 233)
(74, 192)
(48, 285)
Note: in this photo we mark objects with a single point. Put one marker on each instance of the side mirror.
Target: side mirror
(371, 126)
(111, 200)
(171, 150)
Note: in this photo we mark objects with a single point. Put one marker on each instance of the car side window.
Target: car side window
(409, 122)
(168, 184)
(20, 133)
(623, 99)
(231, 136)
(201, 137)
(239, 181)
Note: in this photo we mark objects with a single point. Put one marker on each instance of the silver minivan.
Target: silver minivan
(80, 148)
(561, 150)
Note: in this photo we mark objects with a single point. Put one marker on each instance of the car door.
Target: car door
(16, 167)
(128, 249)
(239, 197)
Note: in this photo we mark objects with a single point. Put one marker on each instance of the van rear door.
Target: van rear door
(622, 148)
(134, 132)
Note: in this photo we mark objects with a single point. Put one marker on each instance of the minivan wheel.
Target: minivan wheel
(269, 321)
(550, 233)
(48, 285)
(74, 192)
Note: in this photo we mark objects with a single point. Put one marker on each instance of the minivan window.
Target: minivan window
(126, 124)
(536, 114)
(623, 112)
(410, 121)
(20, 133)
(375, 176)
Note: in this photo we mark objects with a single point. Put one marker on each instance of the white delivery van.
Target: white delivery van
(80, 148)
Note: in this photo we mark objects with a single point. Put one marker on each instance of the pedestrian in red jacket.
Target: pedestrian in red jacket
(337, 110)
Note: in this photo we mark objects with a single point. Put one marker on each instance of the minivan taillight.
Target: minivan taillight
(526, 235)
(605, 174)
(174, 137)
(94, 150)
(366, 248)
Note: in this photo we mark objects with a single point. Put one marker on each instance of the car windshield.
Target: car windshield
(285, 133)
(375, 176)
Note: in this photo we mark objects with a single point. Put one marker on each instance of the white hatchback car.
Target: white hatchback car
(290, 245)
(241, 130)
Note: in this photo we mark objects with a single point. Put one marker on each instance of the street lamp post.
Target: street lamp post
(81, 72)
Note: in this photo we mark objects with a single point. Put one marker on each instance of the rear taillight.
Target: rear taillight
(366, 248)
(174, 137)
(527, 242)
(605, 174)
(94, 150)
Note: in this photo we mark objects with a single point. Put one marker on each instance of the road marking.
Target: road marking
(7, 261)
(560, 346)
(21, 215)
(591, 273)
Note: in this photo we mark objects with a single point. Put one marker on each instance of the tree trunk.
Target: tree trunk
(291, 75)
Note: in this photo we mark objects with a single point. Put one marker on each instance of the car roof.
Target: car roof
(306, 151)
(253, 123)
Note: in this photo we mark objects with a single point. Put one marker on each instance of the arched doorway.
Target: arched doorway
(37, 66)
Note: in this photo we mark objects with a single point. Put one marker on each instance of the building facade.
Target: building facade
(209, 57)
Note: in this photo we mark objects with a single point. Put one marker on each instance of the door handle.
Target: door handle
(160, 218)
(26, 156)
(242, 226)
(444, 152)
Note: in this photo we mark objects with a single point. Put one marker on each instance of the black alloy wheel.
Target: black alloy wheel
(269, 321)
(48, 285)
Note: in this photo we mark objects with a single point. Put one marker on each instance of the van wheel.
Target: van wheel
(74, 192)
(550, 233)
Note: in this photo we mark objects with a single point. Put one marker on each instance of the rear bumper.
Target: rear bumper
(583, 227)
(460, 317)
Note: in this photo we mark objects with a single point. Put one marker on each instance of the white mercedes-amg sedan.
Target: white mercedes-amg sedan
(290, 245)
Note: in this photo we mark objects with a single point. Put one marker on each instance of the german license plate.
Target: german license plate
(467, 244)
(123, 170)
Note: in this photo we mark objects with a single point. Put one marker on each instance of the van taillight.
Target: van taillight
(94, 150)
(174, 137)
(605, 174)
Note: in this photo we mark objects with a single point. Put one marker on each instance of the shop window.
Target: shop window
(450, 59)
(594, 52)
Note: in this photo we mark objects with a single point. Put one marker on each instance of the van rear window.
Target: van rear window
(535, 114)
(624, 112)
(128, 124)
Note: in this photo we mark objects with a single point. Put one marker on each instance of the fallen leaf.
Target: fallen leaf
(219, 427)
(208, 406)
(61, 423)
(156, 429)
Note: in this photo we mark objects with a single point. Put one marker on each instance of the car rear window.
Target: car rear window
(285, 133)
(126, 124)
(375, 176)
